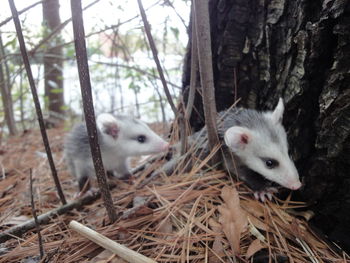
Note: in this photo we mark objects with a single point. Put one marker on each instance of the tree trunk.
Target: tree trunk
(5, 90)
(53, 62)
(298, 50)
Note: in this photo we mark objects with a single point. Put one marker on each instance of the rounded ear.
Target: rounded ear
(277, 114)
(237, 138)
(108, 124)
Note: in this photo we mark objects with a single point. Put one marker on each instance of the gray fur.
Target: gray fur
(251, 119)
(264, 139)
(116, 147)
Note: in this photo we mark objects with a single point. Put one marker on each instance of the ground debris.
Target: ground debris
(178, 218)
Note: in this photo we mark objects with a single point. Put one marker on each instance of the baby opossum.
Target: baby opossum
(120, 137)
(257, 143)
(259, 146)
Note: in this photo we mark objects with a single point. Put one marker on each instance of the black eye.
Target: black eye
(270, 163)
(141, 138)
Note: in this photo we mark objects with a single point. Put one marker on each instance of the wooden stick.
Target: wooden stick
(201, 18)
(88, 106)
(120, 250)
(41, 248)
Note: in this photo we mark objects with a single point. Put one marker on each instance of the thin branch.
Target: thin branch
(194, 68)
(177, 13)
(155, 56)
(34, 50)
(20, 12)
(45, 218)
(36, 100)
(206, 70)
(37, 226)
(57, 30)
(85, 85)
(136, 69)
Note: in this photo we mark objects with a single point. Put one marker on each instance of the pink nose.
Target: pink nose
(164, 146)
(295, 186)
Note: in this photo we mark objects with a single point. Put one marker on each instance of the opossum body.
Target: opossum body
(258, 142)
(120, 137)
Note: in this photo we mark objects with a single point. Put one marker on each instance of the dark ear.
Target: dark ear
(237, 138)
(277, 114)
(108, 124)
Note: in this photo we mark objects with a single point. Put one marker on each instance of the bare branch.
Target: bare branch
(85, 85)
(19, 230)
(136, 69)
(177, 13)
(37, 226)
(155, 56)
(194, 67)
(36, 100)
(20, 12)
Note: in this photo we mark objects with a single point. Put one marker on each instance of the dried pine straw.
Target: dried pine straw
(199, 215)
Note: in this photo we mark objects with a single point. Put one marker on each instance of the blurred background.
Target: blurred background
(123, 74)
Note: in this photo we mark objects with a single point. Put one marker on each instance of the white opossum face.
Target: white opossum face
(129, 136)
(265, 152)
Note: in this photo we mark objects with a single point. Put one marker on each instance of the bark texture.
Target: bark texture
(53, 60)
(298, 50)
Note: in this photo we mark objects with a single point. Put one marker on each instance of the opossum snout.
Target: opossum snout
(295, 185)
(163, 146)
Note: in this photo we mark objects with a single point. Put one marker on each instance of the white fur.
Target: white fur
(252, 145)
(116, 152)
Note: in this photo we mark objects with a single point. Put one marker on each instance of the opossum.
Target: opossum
(258, 143)
(255, 149)
(120, 137)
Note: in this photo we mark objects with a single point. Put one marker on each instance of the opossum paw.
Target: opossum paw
(265, 194)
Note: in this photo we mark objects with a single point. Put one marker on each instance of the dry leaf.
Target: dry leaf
(166, 227)
(233, 218)
(217, 248)
(254, 247)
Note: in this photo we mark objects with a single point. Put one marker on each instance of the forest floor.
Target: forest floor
(195, 215)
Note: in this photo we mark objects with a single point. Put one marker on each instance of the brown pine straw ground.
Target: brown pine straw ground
(200, 215)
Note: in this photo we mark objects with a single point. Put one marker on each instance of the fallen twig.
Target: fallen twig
(37, 226)
(46, 217)
(122, 251)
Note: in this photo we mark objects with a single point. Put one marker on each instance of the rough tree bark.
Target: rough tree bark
(53, 62)
(299, 50)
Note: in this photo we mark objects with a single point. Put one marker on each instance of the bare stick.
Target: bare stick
(37, 226)
(45, 218)
(57, 30)
(206, 70)
(120, 250)
(194, 67)
(18, 230)
(20, 12)
(36, 100)
(85, 85)
(155, 56)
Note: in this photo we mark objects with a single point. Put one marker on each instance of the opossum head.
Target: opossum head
(264, 148)
(129, 136)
